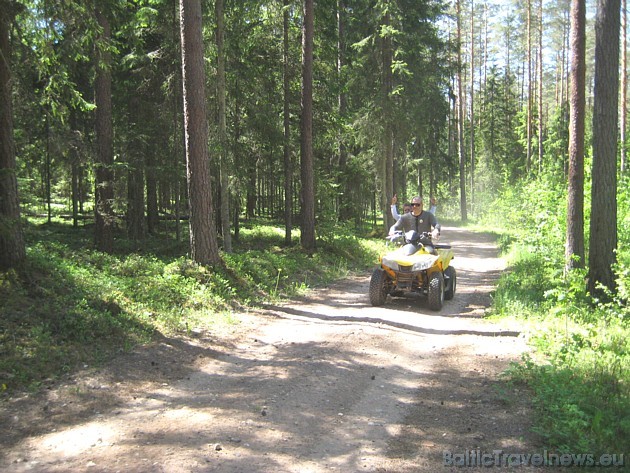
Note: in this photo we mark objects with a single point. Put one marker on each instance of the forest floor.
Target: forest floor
(323, 383)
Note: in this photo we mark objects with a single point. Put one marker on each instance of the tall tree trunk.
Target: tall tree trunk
(136, 229)
(472, 104)
(530, 89)
(603, 225)
(153, 217)
(540, 85)
(203, 238)
(75, 188)
(345, 202)
(484, 86)
(286, 91)
(12, 246)
(563, 67)
(136, 225)
(178, 159)
(624, 85)
(574, 256)
(460, 119)
(306, 140)
(223, 160)
(236, 138)
(48, 165)
(286, 114)
(104, 175)
(387, 189)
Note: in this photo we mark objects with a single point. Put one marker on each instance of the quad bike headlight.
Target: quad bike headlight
(390, 263)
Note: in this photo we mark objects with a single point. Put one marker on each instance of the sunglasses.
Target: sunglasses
(416, 205)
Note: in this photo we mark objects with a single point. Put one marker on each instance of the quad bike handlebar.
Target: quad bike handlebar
(415, 238)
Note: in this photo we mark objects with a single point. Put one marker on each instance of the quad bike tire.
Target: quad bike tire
(450, 282)
(378, 287)
(436, 290)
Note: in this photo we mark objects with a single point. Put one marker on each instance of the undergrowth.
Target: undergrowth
(579, 370)
(73, 305)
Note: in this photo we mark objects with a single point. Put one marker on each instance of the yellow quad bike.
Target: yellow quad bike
(418, 266)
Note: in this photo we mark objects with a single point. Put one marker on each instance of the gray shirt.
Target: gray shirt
(425, 222)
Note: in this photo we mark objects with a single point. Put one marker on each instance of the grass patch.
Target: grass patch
(71, 305)
(580, 370)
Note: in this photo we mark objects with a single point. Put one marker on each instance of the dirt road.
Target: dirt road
(327, 383)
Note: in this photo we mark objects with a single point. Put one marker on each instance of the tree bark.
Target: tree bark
(540, 86)
(472, 104)
(153, 217)
(460, 119)
(286, 91)
(574, 255)
(12, 246)
(528, 164)
(603, 225)
(136, 149)
(387, 189)
(224, 164)
(308, 186)
(624, 85)
(345, 204)
(136, 228)
(104, 175)
(203, 238)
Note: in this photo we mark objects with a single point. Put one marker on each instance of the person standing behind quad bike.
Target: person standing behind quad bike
(433, 207)
(406, 207)
(419, 220)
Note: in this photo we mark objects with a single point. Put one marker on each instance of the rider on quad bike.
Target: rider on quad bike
(418, 219)
(420, 266)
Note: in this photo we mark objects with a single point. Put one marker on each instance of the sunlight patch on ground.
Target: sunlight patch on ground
(76, 441)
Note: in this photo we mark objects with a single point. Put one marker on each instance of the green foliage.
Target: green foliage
(580, 372)
(72, 304)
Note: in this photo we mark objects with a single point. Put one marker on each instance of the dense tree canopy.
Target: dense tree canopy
(408, 97)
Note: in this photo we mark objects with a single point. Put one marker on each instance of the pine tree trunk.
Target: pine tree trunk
(136, 229)
(472, 105)
(286, 91)
(387, 188)
(528, 164)
(603, 225)
(460, 119)
(153, 217)
(104, 175)
(203, 238)
(308, 186)
(224, 164)
(12, 246)
(540, 86)
(345, 202)
(574, 256)
(624, 85)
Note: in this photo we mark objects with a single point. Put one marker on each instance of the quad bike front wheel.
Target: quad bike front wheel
(378, 287)
(436, 290)
(450, 283)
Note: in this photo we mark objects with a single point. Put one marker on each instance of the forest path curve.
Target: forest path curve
(323, 383)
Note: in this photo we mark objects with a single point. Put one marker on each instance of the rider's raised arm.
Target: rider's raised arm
(395, 213)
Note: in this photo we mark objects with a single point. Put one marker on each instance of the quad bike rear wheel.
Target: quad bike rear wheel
(436, 290)
(450, 283)
(378, 287)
